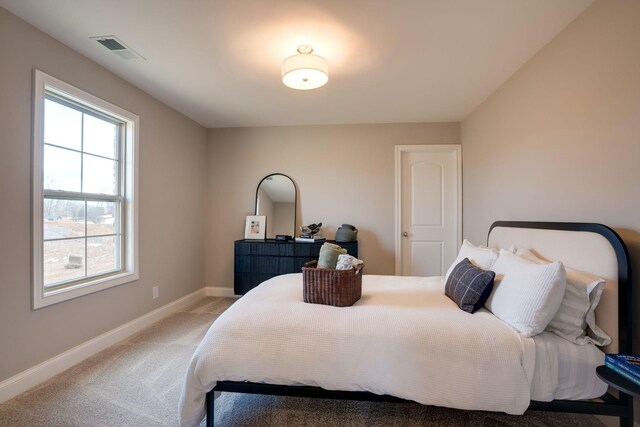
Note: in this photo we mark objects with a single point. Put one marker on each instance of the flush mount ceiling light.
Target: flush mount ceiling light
(305, 70)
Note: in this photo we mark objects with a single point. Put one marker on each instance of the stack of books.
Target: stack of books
(624, 364)
(310, 238)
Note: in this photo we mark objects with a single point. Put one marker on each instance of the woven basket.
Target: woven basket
(340, 288)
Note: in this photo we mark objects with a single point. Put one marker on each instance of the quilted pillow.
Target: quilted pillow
(576, 319)
(469, 286)
(479, 256)
(526, 295)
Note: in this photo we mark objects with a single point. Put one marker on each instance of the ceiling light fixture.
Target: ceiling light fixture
(305, 71)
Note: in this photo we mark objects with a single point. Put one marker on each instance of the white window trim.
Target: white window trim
(130, 270)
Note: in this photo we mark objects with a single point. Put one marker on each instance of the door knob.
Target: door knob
(405, 234)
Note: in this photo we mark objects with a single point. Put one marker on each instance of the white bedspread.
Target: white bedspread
(404, 338)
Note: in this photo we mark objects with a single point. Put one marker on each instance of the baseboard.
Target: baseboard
(25, 380)
(219, 291)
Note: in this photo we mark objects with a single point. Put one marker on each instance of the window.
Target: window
(84, 182)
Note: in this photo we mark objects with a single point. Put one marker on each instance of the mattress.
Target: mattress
(404, 338)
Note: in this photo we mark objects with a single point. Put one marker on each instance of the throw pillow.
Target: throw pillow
(479, 256)
(526, 295)
(469, 286)
(576, 318)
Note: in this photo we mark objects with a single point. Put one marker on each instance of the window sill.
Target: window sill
(47, 298)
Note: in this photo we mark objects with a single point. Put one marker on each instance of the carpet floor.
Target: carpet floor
(137, 383)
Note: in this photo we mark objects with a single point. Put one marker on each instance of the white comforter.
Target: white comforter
(404, 338)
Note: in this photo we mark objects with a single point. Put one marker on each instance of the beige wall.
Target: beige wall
(560, 140)
(343, 174)
(172, 191)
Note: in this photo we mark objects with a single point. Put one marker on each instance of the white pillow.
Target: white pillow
(526, 295)
(576, 318)
(479, 256)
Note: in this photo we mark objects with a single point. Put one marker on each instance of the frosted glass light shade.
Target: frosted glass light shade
(305, 71)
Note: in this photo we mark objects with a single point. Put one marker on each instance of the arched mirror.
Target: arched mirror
(276, 199)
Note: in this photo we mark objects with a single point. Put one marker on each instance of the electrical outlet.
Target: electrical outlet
(155, 292)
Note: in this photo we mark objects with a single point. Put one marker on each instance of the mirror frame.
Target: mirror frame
(295, 201)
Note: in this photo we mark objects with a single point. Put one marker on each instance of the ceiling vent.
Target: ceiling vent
(119, 48)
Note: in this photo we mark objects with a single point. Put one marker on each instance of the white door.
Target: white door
(428, 208)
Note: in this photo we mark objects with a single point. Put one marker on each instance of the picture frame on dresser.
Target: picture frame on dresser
(255, 227)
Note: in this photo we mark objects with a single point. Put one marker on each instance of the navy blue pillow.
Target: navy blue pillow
(469, 286)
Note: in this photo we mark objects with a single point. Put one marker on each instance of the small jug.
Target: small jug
(346, 233)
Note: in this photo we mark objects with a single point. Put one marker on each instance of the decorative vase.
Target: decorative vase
(346, 233)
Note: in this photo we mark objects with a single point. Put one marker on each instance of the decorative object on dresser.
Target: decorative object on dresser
(255, 226)
(256, 261)
(346, 233)
(311, 230)
(311, 234)
(312, 239)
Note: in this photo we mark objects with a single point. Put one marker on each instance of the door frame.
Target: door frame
(438, 148)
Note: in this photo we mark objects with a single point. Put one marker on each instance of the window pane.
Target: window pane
(102, 218)
(63, 260)
(62, 125)
(61, 169)
(99, 175)
(102, 254)
(99, 137)
(63, 218)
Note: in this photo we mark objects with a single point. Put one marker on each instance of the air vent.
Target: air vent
(119, 48)
(111, 44)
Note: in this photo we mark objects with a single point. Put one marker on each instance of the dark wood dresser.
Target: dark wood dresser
(258, 260)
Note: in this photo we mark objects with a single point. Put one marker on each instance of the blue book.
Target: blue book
(623, 373)
(626, 362)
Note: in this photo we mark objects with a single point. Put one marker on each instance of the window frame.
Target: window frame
(128, 177)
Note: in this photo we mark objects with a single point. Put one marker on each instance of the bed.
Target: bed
(404, 339)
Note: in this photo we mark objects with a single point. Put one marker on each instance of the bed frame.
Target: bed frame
(609, 258)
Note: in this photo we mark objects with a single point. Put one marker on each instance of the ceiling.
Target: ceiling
(218, 61)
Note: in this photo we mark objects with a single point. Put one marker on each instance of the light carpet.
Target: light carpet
(137, 383)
